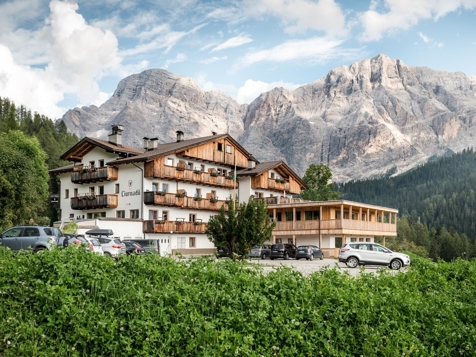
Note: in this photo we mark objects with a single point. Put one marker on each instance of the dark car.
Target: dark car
(282, 250)
(36, 238)
(260, 251)
(309, 252)
(133, 248)
(151, 246)
(222, 253)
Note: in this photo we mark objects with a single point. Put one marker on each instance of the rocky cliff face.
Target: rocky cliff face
(157, 103)
(375, 116)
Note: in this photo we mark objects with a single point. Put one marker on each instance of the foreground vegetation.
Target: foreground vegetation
(72, 303)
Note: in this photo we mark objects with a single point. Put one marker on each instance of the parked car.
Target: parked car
(260, 251)
(94, 245)
(309, 252)
(151, 246)
(37, 238)
(133, 248)
(283, 250)
(222, 253)
(355, 254)
(111, 246)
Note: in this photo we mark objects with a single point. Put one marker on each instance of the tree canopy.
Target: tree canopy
(241, 227)
(320, 187)
(23, 178)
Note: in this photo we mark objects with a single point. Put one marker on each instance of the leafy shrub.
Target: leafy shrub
(73, 303)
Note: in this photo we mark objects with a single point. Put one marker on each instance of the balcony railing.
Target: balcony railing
(159, 226)
(88, 175)
(94, 201)
(187, 175)
(170, 199)
(337, 224)
(277, 185)
(275, 200)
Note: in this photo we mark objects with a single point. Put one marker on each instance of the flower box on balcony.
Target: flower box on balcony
(179, 223)
(180, 168)
(197, 198)
(229, 177)
(213, 199)
(197, 172)
(214, 174)
(180, 195)
(160, 193)
(160, 221)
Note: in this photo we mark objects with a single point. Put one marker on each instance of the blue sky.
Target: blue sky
(55, 55)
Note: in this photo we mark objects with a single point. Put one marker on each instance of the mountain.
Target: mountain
(364, 120)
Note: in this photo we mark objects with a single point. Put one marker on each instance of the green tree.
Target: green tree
(320, 187)
(23, 179)
(241, 227)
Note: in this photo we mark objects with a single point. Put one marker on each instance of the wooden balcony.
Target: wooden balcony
(158, 226)
(202, 178)
(93, 202)
(277, 186)
(275, 200)
(337, 226)
(170, 199)
(99, 174)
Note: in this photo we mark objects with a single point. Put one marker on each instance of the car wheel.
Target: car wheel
(395, 264)
(263, 256)
(311, 258)
(322, 256)
(108, 254)
(39, 249)
(286, 256)
(271, 258)
(352, 262)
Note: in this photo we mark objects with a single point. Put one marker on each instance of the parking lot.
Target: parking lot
(308, 267)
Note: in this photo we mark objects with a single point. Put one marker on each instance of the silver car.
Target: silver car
(111, 246)
(354, 254)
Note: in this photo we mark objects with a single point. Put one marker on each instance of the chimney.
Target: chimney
(179, 136)
(116, 135)
(251, 164)
(145, 141)
(214, 133)
(153, 143)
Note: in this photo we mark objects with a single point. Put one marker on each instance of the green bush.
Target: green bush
(69, 302)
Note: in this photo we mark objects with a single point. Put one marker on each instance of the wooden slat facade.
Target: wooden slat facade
(264, 182)
(170, 199)
(158, 226)
(98, 174)
(98, 201)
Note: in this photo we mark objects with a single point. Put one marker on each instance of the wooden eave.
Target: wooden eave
(335, 203)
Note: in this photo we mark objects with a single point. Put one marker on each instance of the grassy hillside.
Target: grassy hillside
(438, 194)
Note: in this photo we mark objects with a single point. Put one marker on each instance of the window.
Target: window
(367, 239)
(66, 193)
(170, 162)
(165, 187)
(353, 240)
(202, 168)
(192, 217)
(155, 186)
(71, 216)
(92, 191)
(153, 214)
(191, 242)
(338, 242)
(120, 214)
(92, 163)
(101, 190)
(271, 175)
(279, 240)
(220, 147)
(101, 163)
(165, 215)
(228, 149)
(214, 193)
(89, 216)
(31, 232)
(259, 194)
(181, 241)
(346, 215)
(190, 165)
(298, 215)
(290, 241)
(198, 192)
(337, 215)
(289, 216)
(311, 215)
(75, 192)
(116, 188)
(134, 213)
(278, 216)
(361, 239)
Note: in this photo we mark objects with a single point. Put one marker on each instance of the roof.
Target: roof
(85, 145)
(60, 170)
(169, 148)
(279, 166)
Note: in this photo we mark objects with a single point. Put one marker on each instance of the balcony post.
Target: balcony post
(320, 219)
(341, 215)
(294, 217)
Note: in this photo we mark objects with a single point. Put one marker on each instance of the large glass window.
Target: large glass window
(311, 215)
(289, 216)
(181, 242)
(338, 242)
(134, 213)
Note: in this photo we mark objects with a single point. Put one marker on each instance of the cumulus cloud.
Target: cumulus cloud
(314, 50)
(403, 14)
(74, 56)
(252, 89)
(233, 42)
(213, 60)
(301, 15)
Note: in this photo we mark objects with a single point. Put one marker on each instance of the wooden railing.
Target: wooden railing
(92, 202)
(277, 186)
(87, 175)
(279, 200)
(159, 226)
(187, 175)
(333, 224)
(170, 199)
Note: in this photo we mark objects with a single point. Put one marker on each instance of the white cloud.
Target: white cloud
(403, 14)
(315, 50)
(233, 42)
(301, 15)
(433, 43)
(213, 59)
(74, 55)
(252, 89)
(179, 58)
(423, 37)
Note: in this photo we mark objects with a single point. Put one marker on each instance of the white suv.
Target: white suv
(354, 254)
(111, 246)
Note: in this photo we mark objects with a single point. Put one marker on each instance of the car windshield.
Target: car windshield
(117, 241)
(94, 242)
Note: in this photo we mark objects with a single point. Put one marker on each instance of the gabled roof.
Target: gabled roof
(85, 145)
(179, 146)
(60, 170)
(278, 166)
